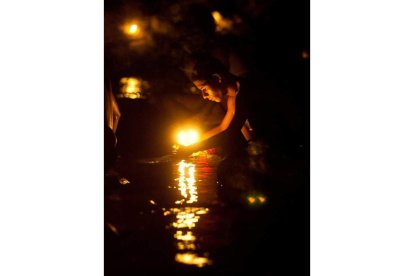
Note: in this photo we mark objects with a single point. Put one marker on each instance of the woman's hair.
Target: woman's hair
(206, 67)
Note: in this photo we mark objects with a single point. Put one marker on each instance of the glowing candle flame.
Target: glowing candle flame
(222, 23)
(187, 137)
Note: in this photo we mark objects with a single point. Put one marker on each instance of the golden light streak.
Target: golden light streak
(184, 237)
(185, 246)
(192, 259)
(186, 218)
(186, 182)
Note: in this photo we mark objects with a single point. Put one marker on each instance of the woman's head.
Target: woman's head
(212, 78)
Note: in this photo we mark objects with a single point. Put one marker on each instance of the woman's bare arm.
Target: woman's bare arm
(228, 117)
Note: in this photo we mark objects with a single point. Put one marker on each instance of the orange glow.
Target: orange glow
(132, 29)
(256, 199)
(217, 16)
(305, 54)
(251, 199)
(222, 24)
(187, 137)
(192, 259)
(113, 228)
(123, 181)
(186, 246)
(188, 236)
(130, 85)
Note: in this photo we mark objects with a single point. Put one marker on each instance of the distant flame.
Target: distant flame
(132, 29)
(222, 24)
(256, 199)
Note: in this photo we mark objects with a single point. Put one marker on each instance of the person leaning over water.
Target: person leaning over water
(242, 167)
(216, 84)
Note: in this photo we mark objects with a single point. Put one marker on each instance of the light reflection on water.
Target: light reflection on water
(186, 182)
(186, 218)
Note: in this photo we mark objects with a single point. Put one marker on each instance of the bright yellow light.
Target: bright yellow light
(186, 182)
(130, 85)
(123, 181)
(192, 259)
(251, 199)
(186, 219)
(217, 16)
(186, 246)
(222, 24)
(185, 237)
(187, 137)
(133, 29)
(262, 199)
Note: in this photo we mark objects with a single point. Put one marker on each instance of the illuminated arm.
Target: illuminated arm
(231, 110)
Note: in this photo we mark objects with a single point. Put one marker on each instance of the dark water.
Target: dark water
(172, 216)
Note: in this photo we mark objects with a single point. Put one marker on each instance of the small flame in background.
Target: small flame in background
(256, 199)
(140, 32)
(222, 24)
(133, 29)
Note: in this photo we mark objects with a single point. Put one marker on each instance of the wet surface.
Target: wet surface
(170, 215)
